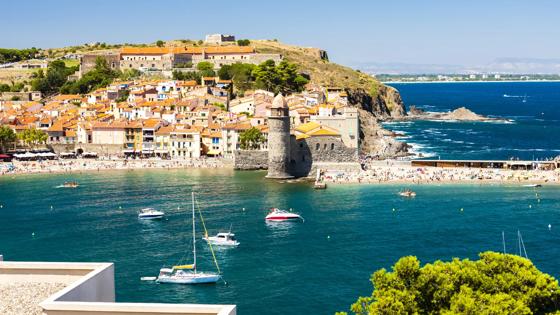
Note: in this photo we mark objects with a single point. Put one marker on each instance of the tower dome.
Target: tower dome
(279, 102)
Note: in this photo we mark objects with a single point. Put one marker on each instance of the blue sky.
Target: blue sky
(421, 32)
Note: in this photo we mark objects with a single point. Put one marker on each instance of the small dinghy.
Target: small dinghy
(407, 193)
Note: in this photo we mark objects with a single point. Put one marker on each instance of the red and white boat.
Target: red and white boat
(282, 215)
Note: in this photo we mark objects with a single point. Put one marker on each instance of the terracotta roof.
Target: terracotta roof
(66, 97)
(165, 130)
(151, 123)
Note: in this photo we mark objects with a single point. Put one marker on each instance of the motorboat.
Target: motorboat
(532, 185)
(72, 184)
(150, 214)
(407, 193)
(282, 215)
(188, 274)
(222, 239)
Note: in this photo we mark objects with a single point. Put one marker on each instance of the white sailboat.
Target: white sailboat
(188, 274)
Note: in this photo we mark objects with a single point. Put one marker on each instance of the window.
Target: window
(318, 146)
(325, 146)
(301, 144)
(332, 146)
(303, 158)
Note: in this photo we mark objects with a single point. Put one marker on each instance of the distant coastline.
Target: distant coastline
(473, 81)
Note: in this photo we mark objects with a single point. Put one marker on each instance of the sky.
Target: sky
(449, 32)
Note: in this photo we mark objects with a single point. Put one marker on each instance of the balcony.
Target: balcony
(56, 288)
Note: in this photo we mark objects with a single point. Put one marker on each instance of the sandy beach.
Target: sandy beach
(404, 173)
(82, 165)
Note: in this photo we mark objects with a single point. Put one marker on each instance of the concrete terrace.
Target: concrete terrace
(59, 288)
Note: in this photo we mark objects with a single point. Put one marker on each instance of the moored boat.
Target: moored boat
(222, 239)
(150, 214)
(282, 215)
(188, 274)
(72, 184)
(407, 193)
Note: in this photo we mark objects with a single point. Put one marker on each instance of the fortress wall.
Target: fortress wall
(250, 160)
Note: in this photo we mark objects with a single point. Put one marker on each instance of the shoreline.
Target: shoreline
(74, 166)
(389, 172)
(406, 174)
(474, 81)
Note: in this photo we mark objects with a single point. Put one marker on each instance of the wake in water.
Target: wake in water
(515, 96)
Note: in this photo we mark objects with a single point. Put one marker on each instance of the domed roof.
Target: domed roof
(279, 102)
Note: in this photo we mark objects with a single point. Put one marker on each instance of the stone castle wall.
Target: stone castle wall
(250, 160)
(87, 62)
(306, 156)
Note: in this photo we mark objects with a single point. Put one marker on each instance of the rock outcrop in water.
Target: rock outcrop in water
(459, 114)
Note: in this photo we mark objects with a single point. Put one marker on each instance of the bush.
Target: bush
(243, 42)
(494, 284)
(184, 65)
(160, 43)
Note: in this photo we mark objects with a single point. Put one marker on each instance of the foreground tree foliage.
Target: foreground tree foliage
(494, 284)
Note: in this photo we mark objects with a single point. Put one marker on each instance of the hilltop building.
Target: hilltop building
(218, 39)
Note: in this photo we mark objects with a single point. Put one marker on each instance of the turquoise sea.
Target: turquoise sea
(316, 267)
(534, 108)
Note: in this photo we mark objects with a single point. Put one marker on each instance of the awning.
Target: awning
(128, 151)
(162, 151)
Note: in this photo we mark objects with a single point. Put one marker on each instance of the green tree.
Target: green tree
(494, 284)
(33, 137)
(240, 74)
(251, 139)
(4, 87)
(243, 42)
(124, 96)
(56, 76)
(206, 69)
(129, 74)
(160, 43)
(266, 76)
(186, 76)
(101, 76)
(7, 137)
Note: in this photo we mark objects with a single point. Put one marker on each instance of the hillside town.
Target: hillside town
(161, 117)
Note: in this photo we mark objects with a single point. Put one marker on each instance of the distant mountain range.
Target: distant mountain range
(500, 65)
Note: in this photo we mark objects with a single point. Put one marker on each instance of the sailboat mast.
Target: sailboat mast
(193, 232)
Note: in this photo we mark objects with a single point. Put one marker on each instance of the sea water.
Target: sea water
(316, 267)
(532, 107)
